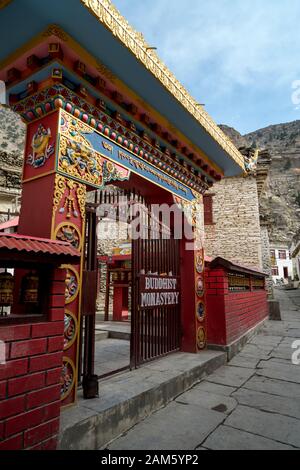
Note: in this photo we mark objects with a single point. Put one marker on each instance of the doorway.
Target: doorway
(122, 334)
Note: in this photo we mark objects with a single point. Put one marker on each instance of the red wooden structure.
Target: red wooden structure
(118, 280)
(30, 379)
(236, 301)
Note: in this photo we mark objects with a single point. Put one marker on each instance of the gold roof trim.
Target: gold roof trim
(108, 14)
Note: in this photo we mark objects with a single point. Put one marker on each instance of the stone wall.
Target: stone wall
(10, 184)
(110, 235)
(266, 260)
(235, 234)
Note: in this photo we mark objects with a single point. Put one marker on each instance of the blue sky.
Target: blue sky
(239, 57)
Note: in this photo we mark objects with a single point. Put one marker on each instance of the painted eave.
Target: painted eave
(104, 33)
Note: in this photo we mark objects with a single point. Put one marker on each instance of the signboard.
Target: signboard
(158, 291)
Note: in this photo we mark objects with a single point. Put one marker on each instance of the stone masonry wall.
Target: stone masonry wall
(235, 234)
(266, 260)
(110, 235)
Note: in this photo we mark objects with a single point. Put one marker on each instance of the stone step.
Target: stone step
(101, 335)
(129, 397)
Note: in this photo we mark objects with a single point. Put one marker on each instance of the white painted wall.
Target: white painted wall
(282, 263)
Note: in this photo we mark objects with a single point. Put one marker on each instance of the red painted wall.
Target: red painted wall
(188, 304)
(30, 379)
(231, 314)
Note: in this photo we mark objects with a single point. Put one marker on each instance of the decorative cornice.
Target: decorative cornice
(111, 18)
(59, 96)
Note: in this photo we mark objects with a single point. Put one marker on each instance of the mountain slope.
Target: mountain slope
(12, 133)
(280, 205)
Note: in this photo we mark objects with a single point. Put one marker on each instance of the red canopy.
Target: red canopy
(23, 245)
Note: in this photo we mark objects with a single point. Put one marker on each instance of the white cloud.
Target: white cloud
(240, 40)
(239, 57)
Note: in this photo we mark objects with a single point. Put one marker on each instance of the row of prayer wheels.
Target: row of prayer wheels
(29, 289)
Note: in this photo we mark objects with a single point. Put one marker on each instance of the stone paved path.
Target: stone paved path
(110, 355)
(251, 403)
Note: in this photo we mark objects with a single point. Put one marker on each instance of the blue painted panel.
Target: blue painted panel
(137, 165)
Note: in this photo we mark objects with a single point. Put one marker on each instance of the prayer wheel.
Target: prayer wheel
(30, 289)
(6, 289)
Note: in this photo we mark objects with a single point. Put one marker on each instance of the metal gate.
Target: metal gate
(86, 375)
(155, 332)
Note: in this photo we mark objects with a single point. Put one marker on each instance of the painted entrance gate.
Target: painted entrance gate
(65, 158)
(156, 323)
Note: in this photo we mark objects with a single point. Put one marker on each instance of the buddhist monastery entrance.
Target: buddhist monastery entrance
(101, 109)
(142, 276)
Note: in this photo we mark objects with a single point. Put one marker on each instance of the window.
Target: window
(208, 209)
(273, 258)
(275, 272)
(282, 254)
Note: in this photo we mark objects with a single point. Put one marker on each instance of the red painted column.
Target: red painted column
(188, 304)
(120, 304)
(193, 307)
(53, 206)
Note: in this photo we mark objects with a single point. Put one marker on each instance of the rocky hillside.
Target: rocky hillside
(12, 137)
(12, 133)
(280, 205)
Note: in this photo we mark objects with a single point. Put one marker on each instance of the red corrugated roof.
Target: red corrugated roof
(22, 243)
(10, 223)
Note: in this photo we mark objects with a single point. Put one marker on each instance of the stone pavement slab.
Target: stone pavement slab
(273, 387)
(241, 360)
(232, 376)
(267, 402)
(208, 400)
(116, 330)
(110, 355)
(282, 352)
(215, 388)
(265, 340)
(227, 438)
(274, 363)
(271, 425)
(255, 351)
(280, 373)
(176, 427)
